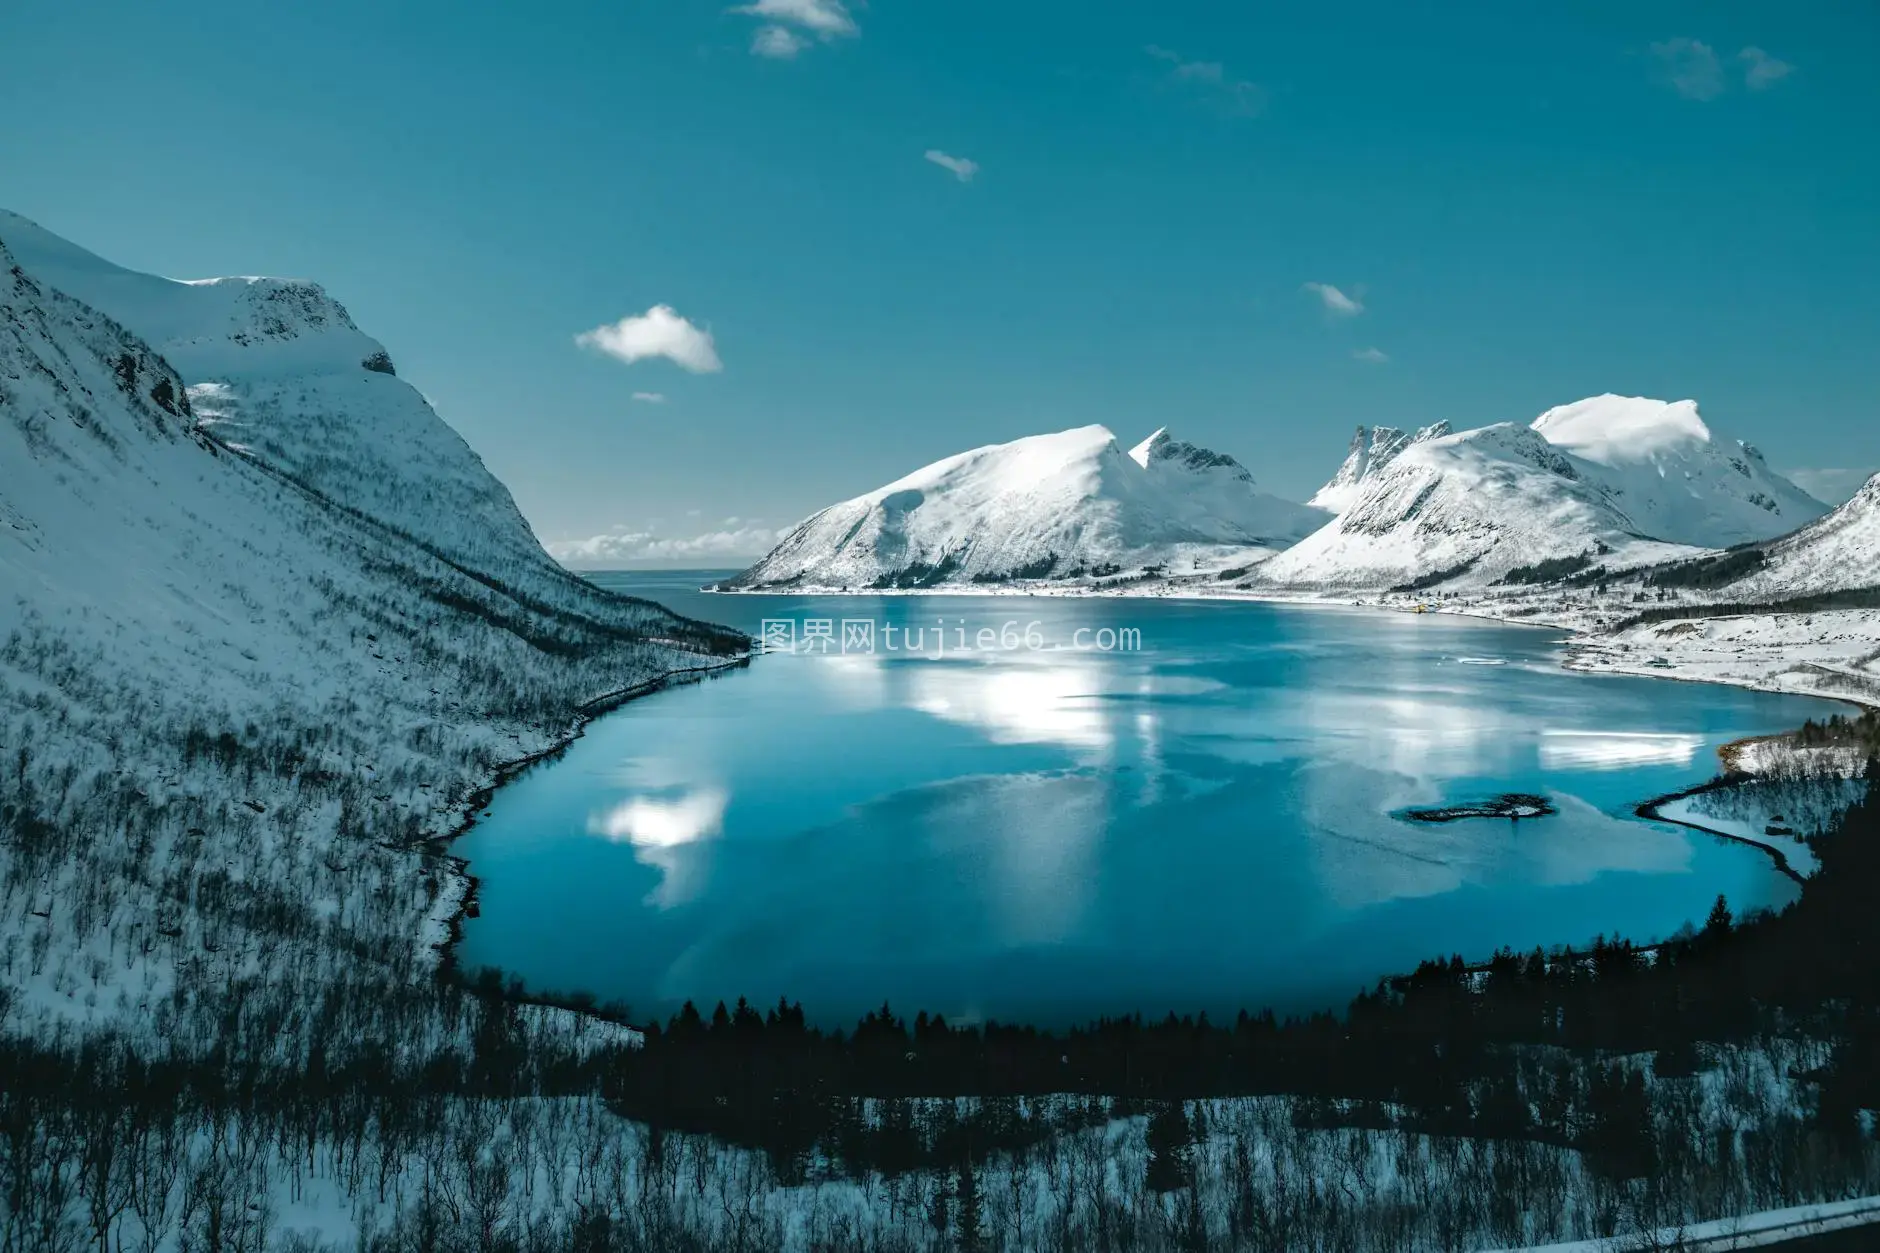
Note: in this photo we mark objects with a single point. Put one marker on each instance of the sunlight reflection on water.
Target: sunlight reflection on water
(1206, 823)
(1616, 750)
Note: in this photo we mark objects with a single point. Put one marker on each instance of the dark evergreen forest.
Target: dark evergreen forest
(1538, 1095)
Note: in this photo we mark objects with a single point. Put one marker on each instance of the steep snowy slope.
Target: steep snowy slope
(228, 704)
(1372, 449)
(278, 371)
(1055, 506)
(1634, 479)
(1479, 503)
(1836, 553)
(1662, 466)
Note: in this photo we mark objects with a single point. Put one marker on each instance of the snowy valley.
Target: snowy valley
(271, 629)
(809, 626)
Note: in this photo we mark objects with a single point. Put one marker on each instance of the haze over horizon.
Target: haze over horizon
(682, 275)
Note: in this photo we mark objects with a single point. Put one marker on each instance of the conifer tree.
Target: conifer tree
(1169, 1137)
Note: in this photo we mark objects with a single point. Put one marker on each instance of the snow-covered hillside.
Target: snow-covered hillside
(277, 370)
(232, 703)
(1675, 481)
(1372, 449)
(1061, 506)
(1478, 503)
(1839, 552)
(1638, 480)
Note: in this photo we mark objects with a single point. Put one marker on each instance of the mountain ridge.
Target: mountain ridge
(1640, 478)
(1064, 505)
(277, 370)
(1372, 449)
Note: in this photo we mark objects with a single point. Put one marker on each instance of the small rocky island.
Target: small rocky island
(1511, 805)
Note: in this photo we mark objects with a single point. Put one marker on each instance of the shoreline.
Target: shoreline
(1648, 810)
(1573, 662)
(1580, 641)
(457, 869)
(1651, 811)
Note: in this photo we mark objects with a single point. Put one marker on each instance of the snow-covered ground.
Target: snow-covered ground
(1744, 1231)
(240, 687)
(1838, 551)
(1834, 653)
(1261, 1173)
(267, 627)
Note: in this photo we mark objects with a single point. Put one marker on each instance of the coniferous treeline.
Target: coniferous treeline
(1537, 1096)
(1860, 732)
(1422, 1042)
(1821, 602)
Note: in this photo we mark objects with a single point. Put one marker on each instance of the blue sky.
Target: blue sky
(1529, 203)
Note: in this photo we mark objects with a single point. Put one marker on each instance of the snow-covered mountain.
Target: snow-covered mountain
(1638, 479)
(1478, 502)
(1060, 506)
(1372, 449)
(231, 696)
(1665, 470)
(1836, 553)
(277, 370)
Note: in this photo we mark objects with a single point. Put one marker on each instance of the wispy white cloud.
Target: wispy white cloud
(1237, 96)
(1376, 356)
(1760, 70)
(742, 541)
(962, 168)
(1832, 485)
(779, 43)
(659, 332)
(650, 398)
(1691, 67)
(825, 17)
(1335, 301)
(789, 25)
(1694, 70)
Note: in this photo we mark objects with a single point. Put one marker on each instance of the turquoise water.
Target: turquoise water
(1048, 834)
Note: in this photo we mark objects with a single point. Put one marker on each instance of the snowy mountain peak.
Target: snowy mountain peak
(1476, 503)
(1609, 474)
(1663, 467)
(1372, 449)
(1061, 506)
(363, 674)
(1163, 448)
